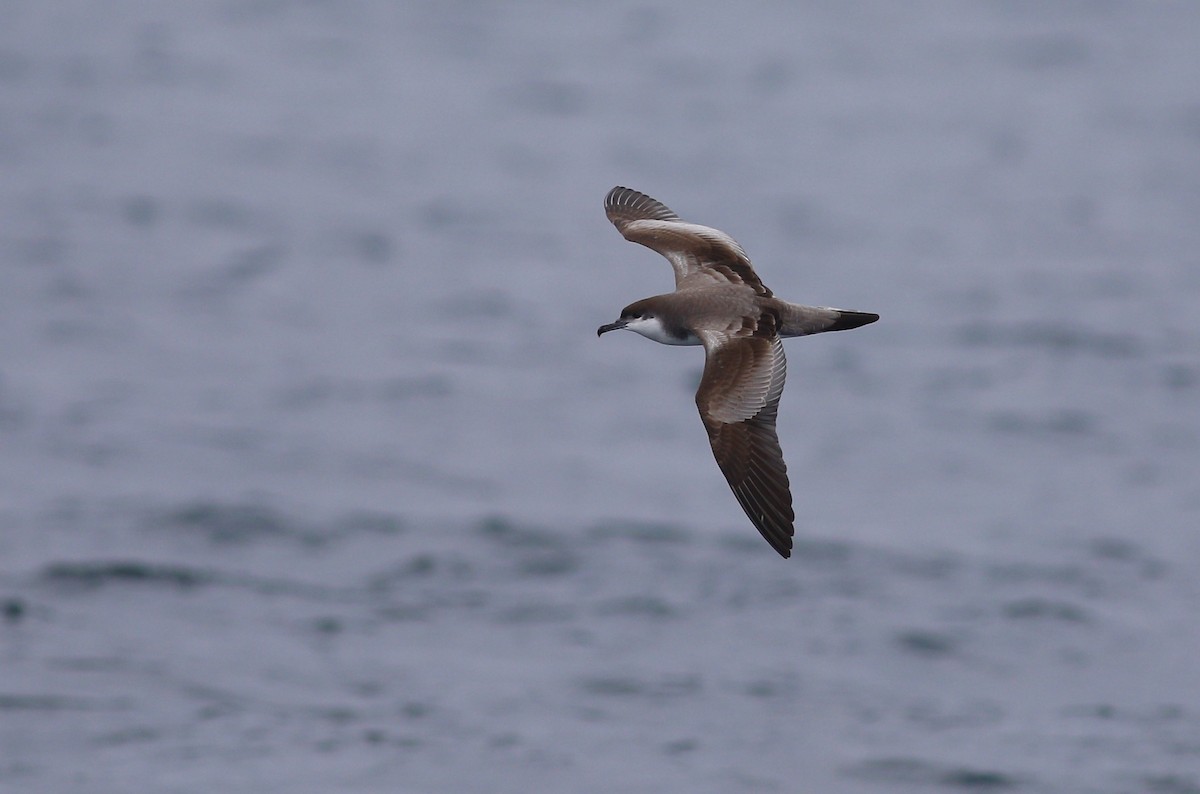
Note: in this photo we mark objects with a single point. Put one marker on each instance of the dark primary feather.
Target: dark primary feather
(749, 456)
(623, 204)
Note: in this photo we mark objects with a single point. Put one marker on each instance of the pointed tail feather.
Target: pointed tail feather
(799, 320)
(849, 319)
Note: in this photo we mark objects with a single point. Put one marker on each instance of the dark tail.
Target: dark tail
(848, 319)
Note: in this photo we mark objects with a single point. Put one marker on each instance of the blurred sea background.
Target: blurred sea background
(315, 478)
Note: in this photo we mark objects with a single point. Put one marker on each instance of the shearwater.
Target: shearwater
(720, 302)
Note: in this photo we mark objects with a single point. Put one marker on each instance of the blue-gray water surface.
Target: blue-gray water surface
(314, 476)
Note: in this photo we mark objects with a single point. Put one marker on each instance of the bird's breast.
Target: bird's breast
(653, 328)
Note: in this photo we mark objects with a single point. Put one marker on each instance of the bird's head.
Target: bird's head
(654, 319)
(634, 317)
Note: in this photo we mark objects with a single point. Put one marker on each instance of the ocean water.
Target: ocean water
(314, 476)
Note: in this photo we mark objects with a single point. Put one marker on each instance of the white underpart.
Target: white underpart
(652, 328)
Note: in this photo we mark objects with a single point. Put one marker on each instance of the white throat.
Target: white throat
(652, 328)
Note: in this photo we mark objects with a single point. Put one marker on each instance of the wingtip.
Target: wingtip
(781, 542)
(629, 204)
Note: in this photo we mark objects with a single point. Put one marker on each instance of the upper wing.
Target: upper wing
(738, 400)
(698, 254)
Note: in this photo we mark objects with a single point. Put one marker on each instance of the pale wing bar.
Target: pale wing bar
(694, 251)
